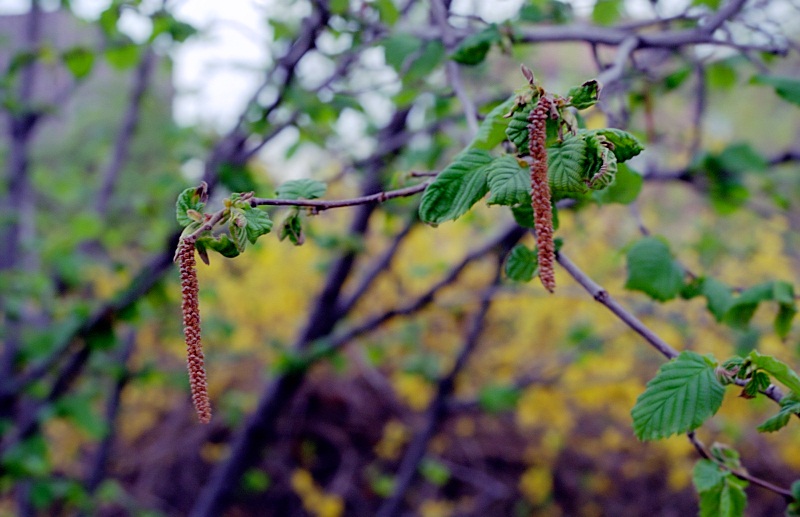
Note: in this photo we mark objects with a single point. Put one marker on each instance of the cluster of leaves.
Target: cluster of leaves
(240, 221)
(580, 161)
(689, 390)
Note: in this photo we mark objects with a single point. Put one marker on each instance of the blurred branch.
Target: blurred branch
(687, 174)
(127, 129)
(97, 470)
(437, 409)
(439, 13)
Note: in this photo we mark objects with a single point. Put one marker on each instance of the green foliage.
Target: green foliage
(779, 370)
(653, 271)
(624, 145)
(472, 51)
(721, 493)
(292, 228)
(521, 264)
(517, 129)
(790, 407)
(459, 186)
(496, 398)
(787, 88)
(684, 393)
(568, 164)
(585, 95)
(189, 206)
(492, 130)
(302, 189)
(744, 306)
(509, 182)
(606, 12)
(793, 510)
(79, 61)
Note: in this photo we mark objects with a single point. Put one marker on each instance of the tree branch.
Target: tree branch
(438, 407)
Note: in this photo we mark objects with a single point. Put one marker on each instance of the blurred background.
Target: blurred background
(450, 390)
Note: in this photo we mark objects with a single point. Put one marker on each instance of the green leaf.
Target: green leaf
(517, 129)
(790, 406)
(719, 297)
(302, 189)
(625, 145)
(237, 228)
(653, 271)
(258, 223)
(190, 199)
(492, 130)
(779, 370)
(741, 157)
(399, 47)
(727, 500)
(222, 245)
(79, 61)
(684, 393)
(389, 13)
(521, 264)
(721, 75)
(566, 164)
(624, 190)
(787, 88)
(497, 398)
(585, 95)
(508, 182)
(606, 12)
(472, 51)
(707, 476)
(459, 186)
(292, 228)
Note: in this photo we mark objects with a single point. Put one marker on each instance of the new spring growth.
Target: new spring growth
(540, 189)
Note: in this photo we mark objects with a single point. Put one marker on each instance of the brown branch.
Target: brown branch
(437, 409)
(320, 204)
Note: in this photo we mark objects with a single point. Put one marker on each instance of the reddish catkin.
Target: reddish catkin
(191, 330)
(540, 197)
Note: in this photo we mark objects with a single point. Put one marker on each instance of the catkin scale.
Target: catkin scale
(191, 330)
(540, 192)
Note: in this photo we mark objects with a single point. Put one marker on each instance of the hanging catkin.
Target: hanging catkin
(191, 330)
(540, 192)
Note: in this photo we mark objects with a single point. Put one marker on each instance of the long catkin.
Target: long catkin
(540, 192)
(191, 331)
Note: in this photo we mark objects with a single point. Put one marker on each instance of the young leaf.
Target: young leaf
(190, 199)
(707, 475)
(566, 163)
(787, 88)
(258, 223)
(237, 228)
(472, 51)
(459, 186)
(684, 393)
(727, 500)
(626, 146)
(719, 297)
(302, 189)
(652, 270)
(779, 370)
(492, 130)
(517, 129)
(222, 245)
(509, 182)
(585, 95)
(521, 264)
(790, 406)
(293, 229)
(606, 12)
